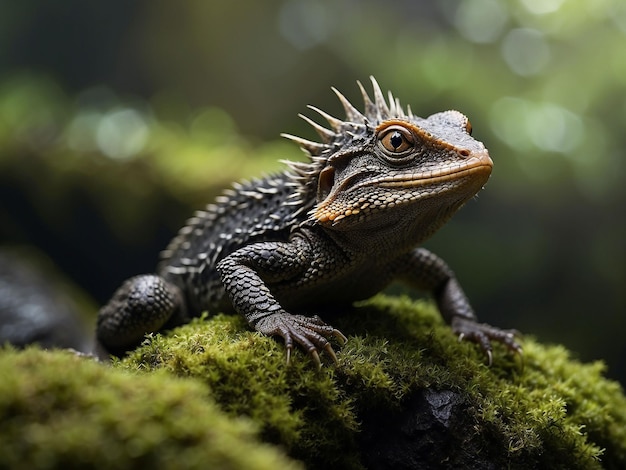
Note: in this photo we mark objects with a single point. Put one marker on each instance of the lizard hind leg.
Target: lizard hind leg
(143, 304)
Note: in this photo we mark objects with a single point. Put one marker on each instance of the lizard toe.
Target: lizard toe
(311, 335)
(483, 334)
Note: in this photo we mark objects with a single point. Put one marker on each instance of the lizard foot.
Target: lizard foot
(483, 334)
(310, 333)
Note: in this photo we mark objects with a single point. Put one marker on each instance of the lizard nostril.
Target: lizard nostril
(464, 153)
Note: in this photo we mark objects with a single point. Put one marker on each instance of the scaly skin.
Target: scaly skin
(321, 234)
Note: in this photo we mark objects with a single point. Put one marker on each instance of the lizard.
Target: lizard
(330, 231)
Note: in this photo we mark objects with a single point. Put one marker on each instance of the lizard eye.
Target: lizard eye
(396, 141)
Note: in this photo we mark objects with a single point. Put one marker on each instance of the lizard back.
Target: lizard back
(262, 209)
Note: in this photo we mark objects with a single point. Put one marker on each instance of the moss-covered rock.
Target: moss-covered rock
(58, 410)
(406, 394)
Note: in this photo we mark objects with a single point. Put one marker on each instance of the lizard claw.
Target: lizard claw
(483, 334)
(339, 336)
(329, 350)
(310, 333)
(316, 359)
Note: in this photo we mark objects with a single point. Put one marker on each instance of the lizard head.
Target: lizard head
(387, 168)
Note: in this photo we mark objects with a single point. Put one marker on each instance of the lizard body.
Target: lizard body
(321, 234)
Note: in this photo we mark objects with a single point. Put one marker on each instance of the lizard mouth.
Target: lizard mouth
(332, 210)
(480, 163)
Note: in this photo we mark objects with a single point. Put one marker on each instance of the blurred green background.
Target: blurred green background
(118, 119)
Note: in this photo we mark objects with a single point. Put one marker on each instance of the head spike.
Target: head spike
(297, 166)
(300, 169)
(352, 114)
(399, 111)
(392, 104)
(336, 124)
(382, 110)
(312, 148)
(370, 107)
(326, 134)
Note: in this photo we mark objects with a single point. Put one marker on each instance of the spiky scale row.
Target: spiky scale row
(374, 114)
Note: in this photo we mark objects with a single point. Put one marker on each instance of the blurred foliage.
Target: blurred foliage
(117, 119)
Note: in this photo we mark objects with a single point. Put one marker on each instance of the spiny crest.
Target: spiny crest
(340, 133)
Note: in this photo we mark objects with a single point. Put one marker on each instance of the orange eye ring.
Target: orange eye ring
(396, 141)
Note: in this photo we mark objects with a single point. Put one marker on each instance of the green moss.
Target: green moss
(547, 411)
(203, 394)
(61, 411)
(295, 406)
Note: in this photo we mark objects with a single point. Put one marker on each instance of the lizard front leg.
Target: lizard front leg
(245, 276)
(427, 271)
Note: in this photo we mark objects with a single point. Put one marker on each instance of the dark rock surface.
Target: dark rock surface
(430, 432)
(35, 307)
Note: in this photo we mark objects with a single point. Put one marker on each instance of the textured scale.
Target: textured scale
(322, 234)
(254, 211)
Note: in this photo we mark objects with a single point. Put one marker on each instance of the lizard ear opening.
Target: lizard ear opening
(325, 183)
